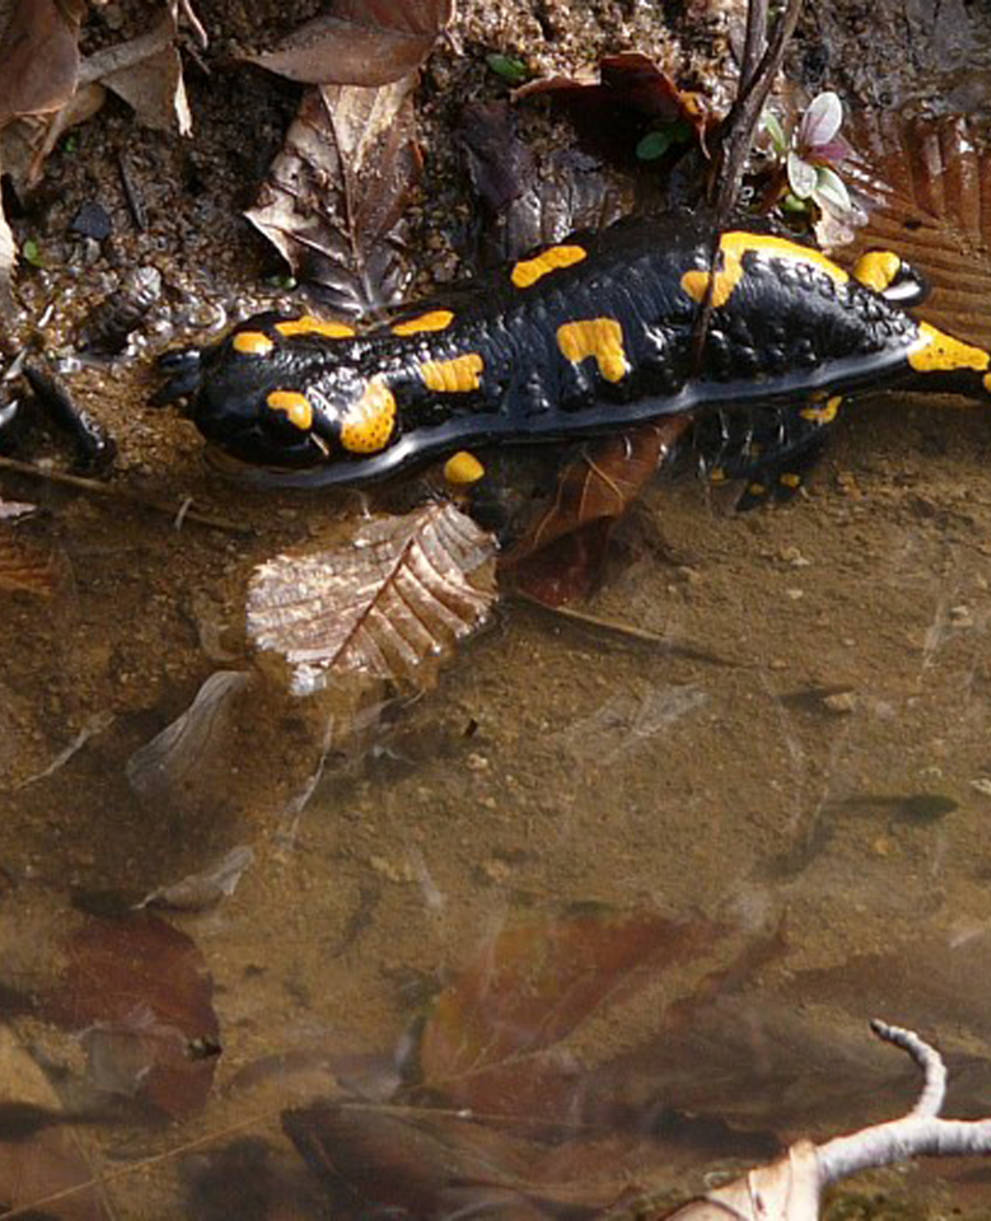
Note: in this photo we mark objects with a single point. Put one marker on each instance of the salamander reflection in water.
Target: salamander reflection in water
(582, 338)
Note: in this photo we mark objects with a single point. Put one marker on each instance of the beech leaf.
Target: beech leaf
(491, 1042)
(927, 187)
(390, 603)
(139, 990)
(592, 493)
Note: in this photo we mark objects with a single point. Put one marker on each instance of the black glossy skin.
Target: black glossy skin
(789, 333)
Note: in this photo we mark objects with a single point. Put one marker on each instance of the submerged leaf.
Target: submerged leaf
(593, 492)
(38, 1158)
(335, 199)
(181, 767)
(491, 1041)
(141, 991)
(399, 595)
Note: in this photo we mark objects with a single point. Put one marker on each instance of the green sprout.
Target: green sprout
(513, 71)
(657, 142)
(31, 253)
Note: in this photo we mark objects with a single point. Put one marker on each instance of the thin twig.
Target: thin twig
(737, 138)
(94, 487)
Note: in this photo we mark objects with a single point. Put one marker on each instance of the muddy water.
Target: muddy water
(603, 915)
(798, 762)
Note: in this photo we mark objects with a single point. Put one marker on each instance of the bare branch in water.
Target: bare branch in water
(790, 1188)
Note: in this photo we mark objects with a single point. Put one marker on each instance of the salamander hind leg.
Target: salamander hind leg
(771, 450)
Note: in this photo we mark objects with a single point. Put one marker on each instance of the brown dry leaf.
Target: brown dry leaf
(140, 992)
(927, 184)
(561, 554)
(631, 98)
(335, 199)
(534, 197)
(362, 42)
(491, 1042)
(28, 566)
(391, 603)
(39, 57)
(147, 73)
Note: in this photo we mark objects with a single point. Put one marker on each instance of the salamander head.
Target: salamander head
(275, 392)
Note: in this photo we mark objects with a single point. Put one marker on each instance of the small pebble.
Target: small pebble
(982, 785)
(840, 702)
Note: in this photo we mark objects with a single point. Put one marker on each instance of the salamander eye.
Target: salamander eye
(889, 275)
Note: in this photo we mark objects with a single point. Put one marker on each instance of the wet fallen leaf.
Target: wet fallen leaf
(493, 1040)
(334, 202)
(139, 993)
(188, 764)
(534, 197)
(198, 891)
(38, 1156)
(432, 1165)
(927, 186)
(593, 492)
(361, 42)
(392, 602)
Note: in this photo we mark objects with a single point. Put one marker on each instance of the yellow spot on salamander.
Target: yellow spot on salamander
(598, 337)
(987, 382)
(936, 352)
(295, 405)
(368, 425)
(463, 468)
(455, 376)
(717, 475)
(877, 269)
(756, 489)
(789, 480)
(306, 324)
(529, 271)
(825, 414)
(734, 245)
(252, 343)
(433, 320)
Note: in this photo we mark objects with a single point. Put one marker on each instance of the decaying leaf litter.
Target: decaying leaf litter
(416, 784)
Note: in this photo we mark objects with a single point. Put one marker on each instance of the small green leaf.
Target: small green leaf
(791, 203)
(655, 144)
(830, 190)
(70, 144)
(512, 70)
(769, 121)
(802, 177)
(31, 254)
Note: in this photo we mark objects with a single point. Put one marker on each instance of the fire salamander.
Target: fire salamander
(583, 337)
